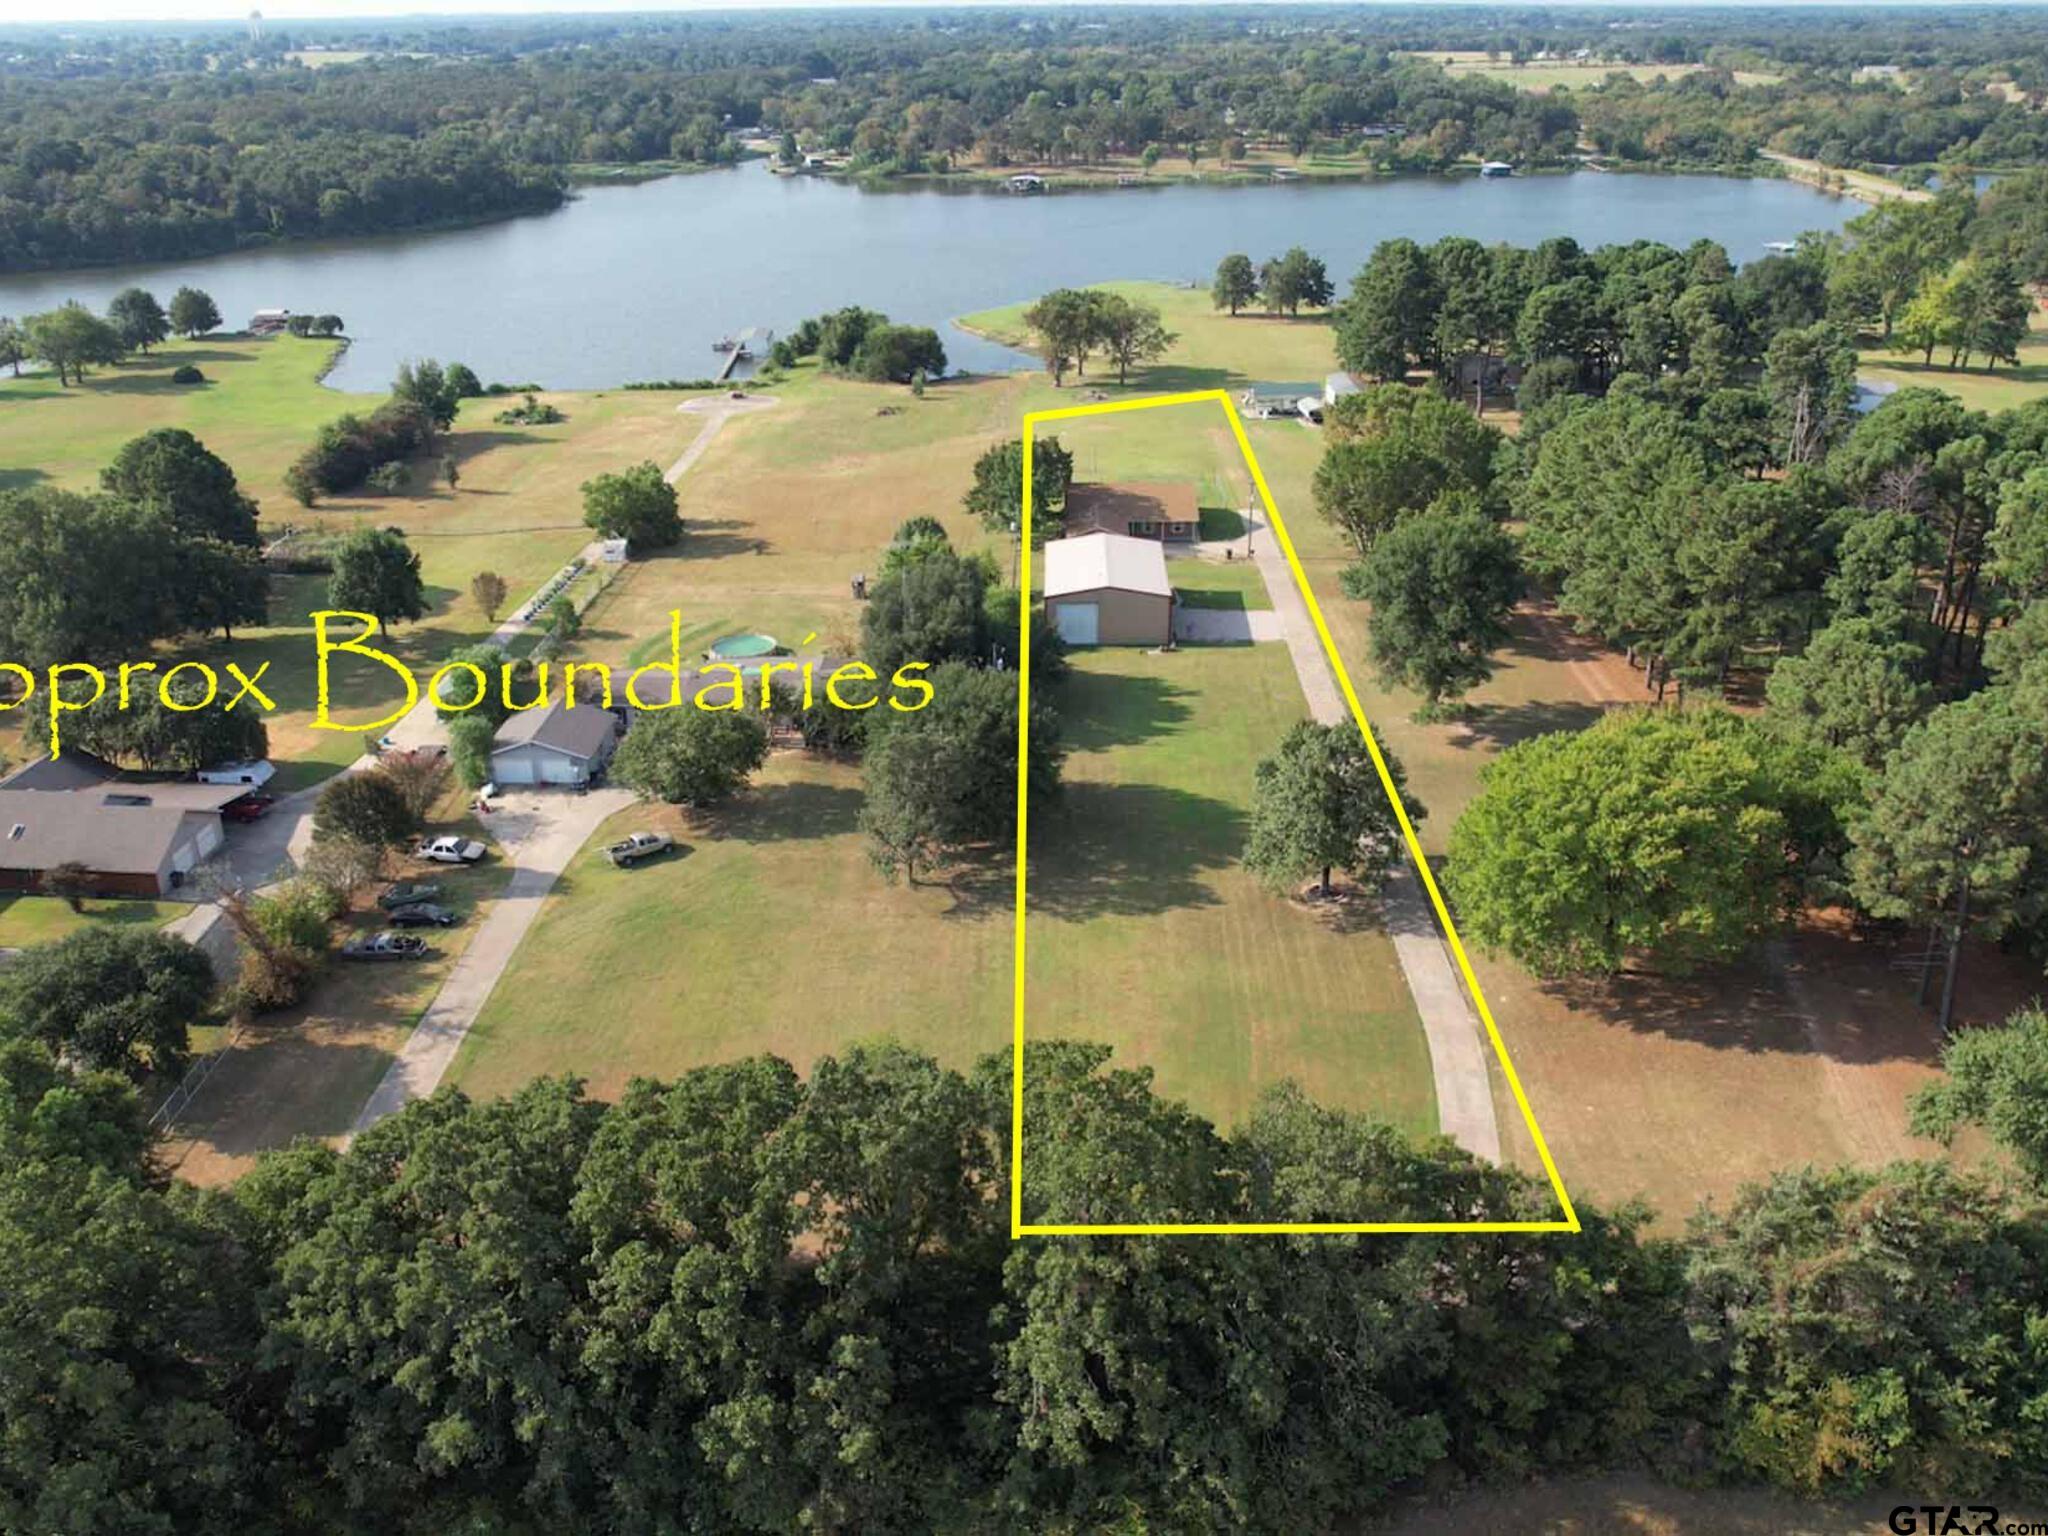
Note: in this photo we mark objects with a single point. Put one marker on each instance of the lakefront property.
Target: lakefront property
(593, 938)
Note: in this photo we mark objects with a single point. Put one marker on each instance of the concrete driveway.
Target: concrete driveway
(539, 832)
(1225, 626)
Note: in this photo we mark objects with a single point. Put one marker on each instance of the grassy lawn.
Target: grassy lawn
(1218, 584)
(1550, 74)
(769, 930)
(26, 920)
(518, 510)
(1981, 389)
(1215, 350)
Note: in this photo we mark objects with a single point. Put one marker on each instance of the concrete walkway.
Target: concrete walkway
(1225, 626)
(1457, 1050)
(719, 410)
(540, 833)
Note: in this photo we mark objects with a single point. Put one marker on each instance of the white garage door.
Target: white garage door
(1079, 623)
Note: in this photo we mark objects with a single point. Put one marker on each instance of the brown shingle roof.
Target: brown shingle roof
(1112, 508)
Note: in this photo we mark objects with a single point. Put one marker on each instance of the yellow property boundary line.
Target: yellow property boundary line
(1019, 1228)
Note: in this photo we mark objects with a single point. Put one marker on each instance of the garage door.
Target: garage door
(1079, 623)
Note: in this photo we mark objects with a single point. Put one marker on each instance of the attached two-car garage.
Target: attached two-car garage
(1108, 589)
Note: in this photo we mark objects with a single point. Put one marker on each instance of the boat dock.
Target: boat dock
(742, 346)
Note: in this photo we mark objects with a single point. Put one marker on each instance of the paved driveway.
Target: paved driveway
(1225, 626)
(539, 833)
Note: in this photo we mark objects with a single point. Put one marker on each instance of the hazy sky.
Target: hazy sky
(286, 10)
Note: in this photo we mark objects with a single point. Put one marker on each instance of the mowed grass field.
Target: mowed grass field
(769, 929)
(1669, 1090)
(1980, 388)
(518, 509)
(1549, 74)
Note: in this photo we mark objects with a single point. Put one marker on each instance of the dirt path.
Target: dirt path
(1457, 1051)
(717, 412)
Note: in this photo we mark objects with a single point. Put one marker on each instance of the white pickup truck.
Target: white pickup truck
(641, 845)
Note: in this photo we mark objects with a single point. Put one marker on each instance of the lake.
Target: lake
(636, 282)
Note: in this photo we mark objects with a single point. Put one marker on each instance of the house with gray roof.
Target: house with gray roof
(554, 744)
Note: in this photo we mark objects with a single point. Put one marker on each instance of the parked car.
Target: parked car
(641, 845)
(451, 850)
(424, 914)
(407, 892)
(248, 808)
(385, 946)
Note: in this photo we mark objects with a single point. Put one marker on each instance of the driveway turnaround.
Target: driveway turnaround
(539, 832)
(1457, 1052)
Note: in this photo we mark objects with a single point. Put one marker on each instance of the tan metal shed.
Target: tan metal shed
(1108, 589)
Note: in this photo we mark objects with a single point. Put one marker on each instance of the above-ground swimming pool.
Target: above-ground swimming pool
(739, 647)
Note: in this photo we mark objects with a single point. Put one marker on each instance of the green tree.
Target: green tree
(944, 777)
(425, 386)
(1958, 821)
(1236, 284)
(171, 469)
(114, 999)
(1845, 1316)
(470, 739)
(158, 739)
(927, 611)
(84, 576)
(1130, 334)
(193, 313)
(460, 380)
(70, 337)
(1318, 805)
(378, 573)
(2019, 540)
(14, 344)
(1389, 319)
(1064, 323)
(1855, 688)
(688, 756)
(1997, 1078)
(220, 586)
(137, 319)
(1442, 585)
(1392, 451)
(1810, 381)
(488, 658)
(997, 495)
(1650, 834)
(898, 354)
(365, 808)
(636, 505)
(130, 1322)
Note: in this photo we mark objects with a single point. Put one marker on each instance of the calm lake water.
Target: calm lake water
(636, 282)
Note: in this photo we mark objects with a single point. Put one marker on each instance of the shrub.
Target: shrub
(389, 479)
(185, 373)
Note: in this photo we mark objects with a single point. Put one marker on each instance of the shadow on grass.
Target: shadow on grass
(1109, 850)
(708, 539)
(776, 813)
(1222, 523)
(1099, 710)
(1503, 725)
(20, 479)
(1202, 597)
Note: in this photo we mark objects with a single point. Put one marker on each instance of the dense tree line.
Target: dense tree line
(746, 1300)
(1692, 485)
(100, 161)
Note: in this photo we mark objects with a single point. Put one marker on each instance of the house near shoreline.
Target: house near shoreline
(131, 836)
(268, 322)
(1108, 589)
(1134, 509)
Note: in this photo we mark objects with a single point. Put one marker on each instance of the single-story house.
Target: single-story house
(1136, 509)
(1108, 589)
(268, 322)
(554, 744)
(1263, 401)
(132, 836)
